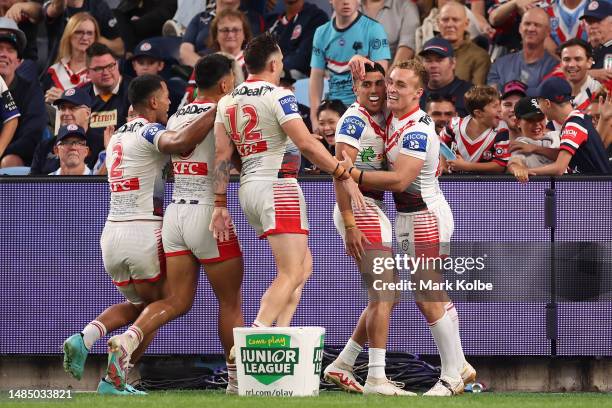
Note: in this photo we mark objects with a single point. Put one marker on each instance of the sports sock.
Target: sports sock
(134, 337)
(232, 376)
(452, 312)
(92, 332)
(350, 352)
(376, 365)
(257, 323)
(443, 332)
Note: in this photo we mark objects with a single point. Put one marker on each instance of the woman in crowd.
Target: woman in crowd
(328, 115)
(70, 68)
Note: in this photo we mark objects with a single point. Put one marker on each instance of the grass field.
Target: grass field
(216, 399)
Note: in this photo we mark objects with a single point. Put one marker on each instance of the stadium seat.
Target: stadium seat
(15, 171)
(301, 90)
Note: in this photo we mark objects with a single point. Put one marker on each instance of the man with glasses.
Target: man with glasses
(74, 108)
(109, 92)
(71, 148)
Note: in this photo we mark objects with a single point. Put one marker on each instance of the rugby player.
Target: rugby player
(367, 234)
(186, 238)
(424, 222)
(256, 119)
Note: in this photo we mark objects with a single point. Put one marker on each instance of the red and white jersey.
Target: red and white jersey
(193, 169)
(414, 135)
(135, 166)
(64, 78)
(491, 145)
(587, 93)
(252, 115)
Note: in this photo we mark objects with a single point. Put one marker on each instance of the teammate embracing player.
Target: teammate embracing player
(424, 222)
(186, 237)
(367, 234)
(131, 240)
(256, 119)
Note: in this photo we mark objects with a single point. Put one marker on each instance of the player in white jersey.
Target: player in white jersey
(256, 119)
(131, 240)
(424, 222)
(367, 234)
(186, 238)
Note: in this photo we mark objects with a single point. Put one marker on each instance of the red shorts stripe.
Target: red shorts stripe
(227, 250)
(178, 253)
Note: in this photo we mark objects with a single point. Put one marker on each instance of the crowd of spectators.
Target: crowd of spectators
(65, 66)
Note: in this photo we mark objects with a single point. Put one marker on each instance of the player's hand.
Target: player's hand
(108, 133)
(521, 173)
(522, 147)
(357, 65)
(458, 164)
(221, 224)
(355, 240)
(16, 12)
(524, 5)
(601, 75)
(52, 94)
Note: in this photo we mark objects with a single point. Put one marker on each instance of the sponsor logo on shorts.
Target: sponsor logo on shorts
(269, 357)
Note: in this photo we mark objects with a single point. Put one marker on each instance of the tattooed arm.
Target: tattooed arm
(221, 222)
(188, 137)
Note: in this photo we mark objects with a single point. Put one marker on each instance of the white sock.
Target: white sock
(452, 312)
(376, 365)
(350, 352)
(134, 336)
(257, 323)
(232, 376)
(444, 334)
(92, 332)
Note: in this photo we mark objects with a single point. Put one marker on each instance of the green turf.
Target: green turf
(326, 399)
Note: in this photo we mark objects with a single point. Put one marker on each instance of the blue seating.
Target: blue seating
(15, 171)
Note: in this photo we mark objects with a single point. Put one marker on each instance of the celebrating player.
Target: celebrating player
(186, 238)
(255, 119)
(424, 222)
(367, 234)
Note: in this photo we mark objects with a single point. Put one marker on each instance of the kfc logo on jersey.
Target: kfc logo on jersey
(120, 186)
(190, 168)
(289, 104)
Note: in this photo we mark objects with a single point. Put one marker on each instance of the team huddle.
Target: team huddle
(155, 264)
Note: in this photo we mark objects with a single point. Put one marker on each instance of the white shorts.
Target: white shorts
(274, 206)
(371, 221)
(185, 232)
(132, 253)
(427, 232)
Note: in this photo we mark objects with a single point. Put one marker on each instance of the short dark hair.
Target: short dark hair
(588, 50)
(335, 105)
(258, 51)
(97, 50)
(141, 88)
(210, 69)
(436, 97)
(372, 68)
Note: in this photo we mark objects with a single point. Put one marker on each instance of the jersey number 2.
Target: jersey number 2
(250, 134)
(115, 171)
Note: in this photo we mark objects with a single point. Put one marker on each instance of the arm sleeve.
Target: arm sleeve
(106, 20)
(483, 63)
(573, 136)
(191, 32)
(501, 150)
(317, 60)
(152, 132)
(31, 124)
(447, 135)
(350, 129)
(493, 78)
(285, 106)
(8, 108)
(415, 143)
(410, 23)
(379, 44)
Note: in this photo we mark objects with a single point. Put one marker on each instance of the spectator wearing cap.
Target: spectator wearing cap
(536, 146)
(27, 96)
(400, 19)
(27, 15)
(440, 63)
(71, 148)
(511, 93)
(581, 146)
(598, 21)
(195, 38)
(441, 109)
(138, 19)
(70, 68)
(74, 107)
(108, 90)
(294, 31)
(146, 59)
(531, 64)
(576, 59)
(57, 13)
(472, 62)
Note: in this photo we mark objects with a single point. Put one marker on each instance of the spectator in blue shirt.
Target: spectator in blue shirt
(347, 34)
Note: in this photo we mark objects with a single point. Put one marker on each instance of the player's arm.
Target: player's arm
(604, 127)
(550, 153)
(459, 164)
(556, 168)
(405, 170)
(221, 221)
(187, 138)
(354, 238)
(320, 157)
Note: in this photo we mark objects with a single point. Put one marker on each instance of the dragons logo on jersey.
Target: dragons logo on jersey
(367, 155)
(269, 357)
